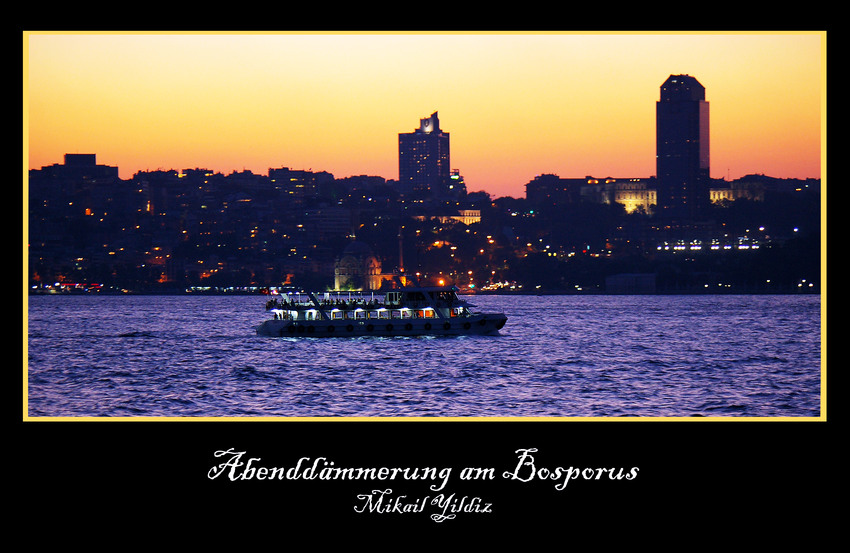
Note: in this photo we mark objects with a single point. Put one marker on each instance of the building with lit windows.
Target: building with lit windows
(464, 216)
(633, 193)
(741, 189)
(423, 160)
(682, 150)
(358, 268)
(299, 184)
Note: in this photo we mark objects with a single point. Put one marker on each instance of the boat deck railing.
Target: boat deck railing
(325, 304)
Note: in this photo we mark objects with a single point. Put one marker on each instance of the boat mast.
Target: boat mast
(318, 305)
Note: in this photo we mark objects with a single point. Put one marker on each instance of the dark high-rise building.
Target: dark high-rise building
(423, 160)
(682, 150)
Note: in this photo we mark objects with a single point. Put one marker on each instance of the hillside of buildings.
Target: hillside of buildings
(196, 230)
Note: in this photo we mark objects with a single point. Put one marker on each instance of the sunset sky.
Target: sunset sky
(516, 105)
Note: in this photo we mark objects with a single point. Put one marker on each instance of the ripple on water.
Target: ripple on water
(557, 356)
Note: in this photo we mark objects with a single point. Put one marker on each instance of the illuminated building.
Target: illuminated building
(741, 189)
(358, 269)
(465, 216)
(632, 193)
(423, 160)
(682, 149)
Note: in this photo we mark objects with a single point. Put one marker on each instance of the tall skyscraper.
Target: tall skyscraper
(682, 150)
(423, 160)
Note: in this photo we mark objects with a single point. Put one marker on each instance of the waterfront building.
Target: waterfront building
(358, 268)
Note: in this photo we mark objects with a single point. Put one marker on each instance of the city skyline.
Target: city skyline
(516, 104)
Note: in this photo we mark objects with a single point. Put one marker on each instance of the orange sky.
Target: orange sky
(516, 105)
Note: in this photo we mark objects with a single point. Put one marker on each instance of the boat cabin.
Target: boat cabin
(417, 303)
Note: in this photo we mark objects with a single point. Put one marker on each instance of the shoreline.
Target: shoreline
(726, 292)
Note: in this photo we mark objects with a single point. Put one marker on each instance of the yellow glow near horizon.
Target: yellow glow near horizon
(516, 105)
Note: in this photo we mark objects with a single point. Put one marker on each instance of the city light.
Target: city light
(200, 228)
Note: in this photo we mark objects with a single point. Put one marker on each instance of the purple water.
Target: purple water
(558, 356)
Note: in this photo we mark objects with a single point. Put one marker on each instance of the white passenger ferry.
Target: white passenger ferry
(408, 311)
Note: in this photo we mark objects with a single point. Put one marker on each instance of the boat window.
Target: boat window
(445, 296)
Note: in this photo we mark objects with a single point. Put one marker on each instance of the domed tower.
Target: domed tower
(357, 268)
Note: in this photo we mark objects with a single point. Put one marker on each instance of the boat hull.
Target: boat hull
(479, 324)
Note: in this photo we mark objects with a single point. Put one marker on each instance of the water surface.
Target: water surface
(558, 356)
